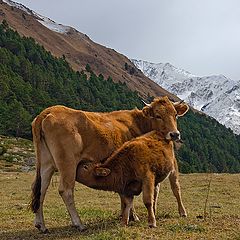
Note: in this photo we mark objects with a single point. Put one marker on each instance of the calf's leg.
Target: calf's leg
(132, 214)
(173, 177)
(148, 199)
(128, 204)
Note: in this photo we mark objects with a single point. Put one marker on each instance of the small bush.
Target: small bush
(3, 150)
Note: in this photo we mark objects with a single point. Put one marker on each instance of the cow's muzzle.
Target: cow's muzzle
(174, 136)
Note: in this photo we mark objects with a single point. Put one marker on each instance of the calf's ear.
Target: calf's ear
(181, 109)
(101, 172)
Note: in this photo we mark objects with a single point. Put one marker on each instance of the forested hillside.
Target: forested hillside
(31, 79)
(208, 145)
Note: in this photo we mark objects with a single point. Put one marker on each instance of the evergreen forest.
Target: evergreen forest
(31, 79)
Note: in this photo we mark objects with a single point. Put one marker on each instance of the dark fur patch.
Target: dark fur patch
(36, 193)
(132, 188)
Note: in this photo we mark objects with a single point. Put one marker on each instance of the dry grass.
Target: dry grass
(99, 211)
(17, 153)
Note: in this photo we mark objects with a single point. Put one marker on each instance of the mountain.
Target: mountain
(77, 48)
(216, 95)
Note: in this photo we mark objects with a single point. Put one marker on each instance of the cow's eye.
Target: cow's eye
(85, 167)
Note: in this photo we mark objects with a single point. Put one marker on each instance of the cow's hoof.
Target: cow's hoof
(80, 228)
(42, 229)
(152, 225)
(183, 215)
(46, 231)
(124, 221)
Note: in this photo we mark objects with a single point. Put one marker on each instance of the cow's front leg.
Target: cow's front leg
(66, 190)
(173, 177)
(132, 212)
(156, 192)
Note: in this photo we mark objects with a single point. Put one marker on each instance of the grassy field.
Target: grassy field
(99, 211)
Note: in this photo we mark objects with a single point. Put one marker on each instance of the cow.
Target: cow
(139, 165)
(63, 137)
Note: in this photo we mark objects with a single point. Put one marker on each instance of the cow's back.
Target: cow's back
(88, 135)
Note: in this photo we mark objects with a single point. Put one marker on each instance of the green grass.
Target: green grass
(99, 211)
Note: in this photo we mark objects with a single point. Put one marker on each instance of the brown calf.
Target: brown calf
(64, 137)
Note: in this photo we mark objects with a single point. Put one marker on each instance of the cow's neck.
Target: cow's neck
(143, 124)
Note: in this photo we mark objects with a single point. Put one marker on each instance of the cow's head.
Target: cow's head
(163, 114)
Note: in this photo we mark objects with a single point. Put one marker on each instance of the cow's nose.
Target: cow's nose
(175, 135)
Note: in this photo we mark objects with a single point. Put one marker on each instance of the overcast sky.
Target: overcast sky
(200, 36)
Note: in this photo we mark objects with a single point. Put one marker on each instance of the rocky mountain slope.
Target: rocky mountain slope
(78, 48)
(216, 95)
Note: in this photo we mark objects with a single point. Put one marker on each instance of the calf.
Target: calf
(139, 165)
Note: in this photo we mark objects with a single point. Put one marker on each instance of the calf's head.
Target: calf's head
(163, 114)
(89, 173)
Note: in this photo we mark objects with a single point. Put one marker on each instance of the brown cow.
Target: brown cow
(63, 137)
(138, 166)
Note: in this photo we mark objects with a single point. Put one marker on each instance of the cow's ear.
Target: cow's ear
(101, 172)
(181, 109)
(147, 111)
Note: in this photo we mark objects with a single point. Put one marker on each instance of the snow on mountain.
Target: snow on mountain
(47, 22)
(50, 24)
(217, 95)
(164, 74)
(19, 6)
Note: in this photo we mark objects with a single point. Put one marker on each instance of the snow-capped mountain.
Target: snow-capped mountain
(47, 22)
(217, 95)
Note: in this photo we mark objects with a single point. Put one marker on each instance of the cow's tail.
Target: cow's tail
(36, 186)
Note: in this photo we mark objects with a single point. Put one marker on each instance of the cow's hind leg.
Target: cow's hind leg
(46, 175)
(46, 171)
(173, 177)
(65, 147)
(66, 190)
